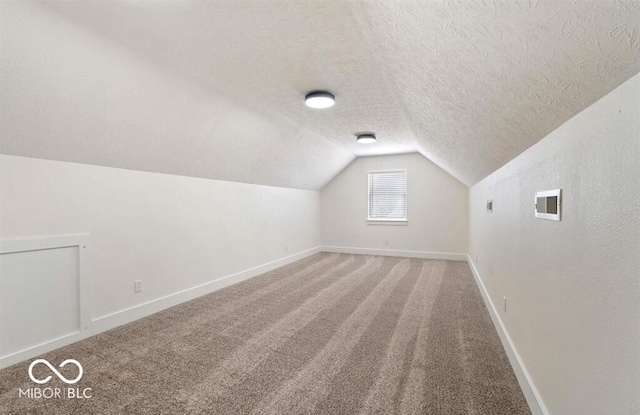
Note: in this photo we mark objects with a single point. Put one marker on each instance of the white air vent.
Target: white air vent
(548, 205)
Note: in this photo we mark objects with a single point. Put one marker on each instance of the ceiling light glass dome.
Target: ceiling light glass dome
(319, 99)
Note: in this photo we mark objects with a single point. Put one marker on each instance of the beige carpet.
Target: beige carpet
(330, 334)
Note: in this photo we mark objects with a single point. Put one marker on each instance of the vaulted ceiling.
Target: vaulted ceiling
(215, 89)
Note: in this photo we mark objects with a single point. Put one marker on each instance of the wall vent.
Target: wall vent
(547, 204)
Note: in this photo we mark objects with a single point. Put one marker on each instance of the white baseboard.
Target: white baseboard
(128, 315)
(391, 252)
(37, 350)
(531, 394)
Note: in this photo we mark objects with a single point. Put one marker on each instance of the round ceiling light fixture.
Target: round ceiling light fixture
(366, 138)
(319, 99)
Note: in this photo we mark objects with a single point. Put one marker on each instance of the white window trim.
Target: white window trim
(398, 222)
(391, 222)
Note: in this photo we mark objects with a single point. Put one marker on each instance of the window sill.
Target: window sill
(388, 222)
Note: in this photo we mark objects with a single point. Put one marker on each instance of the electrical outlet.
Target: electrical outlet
(286, 247)
(137, 286)
(386, 242)
(505, 303)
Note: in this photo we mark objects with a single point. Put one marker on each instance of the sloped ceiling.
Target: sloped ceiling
(215, 89)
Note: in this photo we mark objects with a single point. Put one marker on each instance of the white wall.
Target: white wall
(72, 93)
(573, 287)
(173, 232)
(437, 207)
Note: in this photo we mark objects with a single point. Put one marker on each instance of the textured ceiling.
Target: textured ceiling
(468, 84)
(480, 82)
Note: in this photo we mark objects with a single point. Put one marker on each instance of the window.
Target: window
(388, 195)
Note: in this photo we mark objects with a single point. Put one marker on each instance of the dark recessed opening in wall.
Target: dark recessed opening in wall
(552, 205)
(547, 204)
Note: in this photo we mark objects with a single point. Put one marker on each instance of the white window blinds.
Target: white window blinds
(388, 195)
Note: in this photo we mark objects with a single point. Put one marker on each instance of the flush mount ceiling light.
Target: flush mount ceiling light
(319, 99)
(366, 138)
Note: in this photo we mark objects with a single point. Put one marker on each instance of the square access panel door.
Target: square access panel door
(548, 204)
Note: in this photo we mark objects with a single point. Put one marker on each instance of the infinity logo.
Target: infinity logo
(53, 369)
